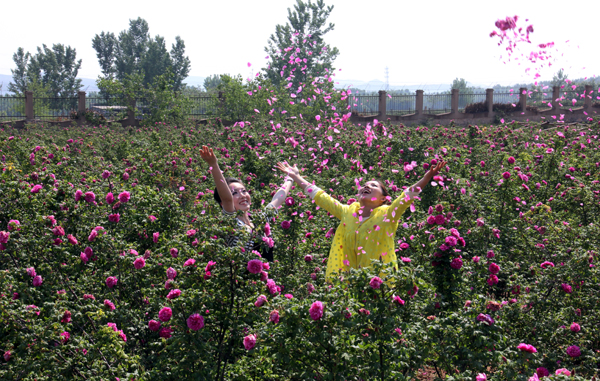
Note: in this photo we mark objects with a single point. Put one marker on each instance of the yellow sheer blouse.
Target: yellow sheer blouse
(357, 240)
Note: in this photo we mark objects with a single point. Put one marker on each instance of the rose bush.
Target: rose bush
(147, 254)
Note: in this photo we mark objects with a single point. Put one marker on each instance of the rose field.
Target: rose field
(114, 264)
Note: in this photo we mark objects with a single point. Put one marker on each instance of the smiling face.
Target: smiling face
(371, 194)
(241, 197)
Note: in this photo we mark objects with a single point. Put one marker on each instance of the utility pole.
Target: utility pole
(387, 79)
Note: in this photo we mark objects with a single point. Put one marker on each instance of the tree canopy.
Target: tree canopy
(51, 71)
(135, 52)
(308, 19)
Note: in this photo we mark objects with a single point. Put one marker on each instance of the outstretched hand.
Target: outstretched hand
(286, 168)
(208, 156)
(438, 167)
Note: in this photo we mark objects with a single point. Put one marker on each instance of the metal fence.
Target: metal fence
(437, 103)
(364, 104)
(466, 99)
(57, 109)
(112, 108)
(571, 99)
(401, 104)
(12, 108)
(506, 97)
(203, 106)
(540, 99)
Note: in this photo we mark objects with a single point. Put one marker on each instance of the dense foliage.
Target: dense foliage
(114, 264)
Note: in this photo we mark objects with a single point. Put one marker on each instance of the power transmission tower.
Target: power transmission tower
(387, 79)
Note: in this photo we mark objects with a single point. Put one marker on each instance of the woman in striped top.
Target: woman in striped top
(235, 202)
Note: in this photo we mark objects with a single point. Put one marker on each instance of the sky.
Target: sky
(421, 43)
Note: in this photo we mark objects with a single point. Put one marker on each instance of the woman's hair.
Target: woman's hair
(384, 192)
(228, 180)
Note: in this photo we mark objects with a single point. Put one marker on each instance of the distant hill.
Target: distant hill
(89, 84)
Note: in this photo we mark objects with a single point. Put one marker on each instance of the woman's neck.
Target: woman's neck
(245, 218)
(367, 210)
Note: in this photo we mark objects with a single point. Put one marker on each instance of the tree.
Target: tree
(135, 52)
(156, 60)
(180, 64)
(19, 75)
(462, 86)
(52, 70)
(310, 20)
(212, 82)
(105, 45)
(559, 78)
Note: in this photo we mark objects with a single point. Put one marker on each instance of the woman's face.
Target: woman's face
(371, 194)
(241, 197)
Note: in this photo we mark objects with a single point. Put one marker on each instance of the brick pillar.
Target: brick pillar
(80, 107)
(523, 98)
(454, 102)
(29, 106)
(555, 96)
(382, 105)
(587, 102)
(489, 102)
(419, 103)
(131, 113)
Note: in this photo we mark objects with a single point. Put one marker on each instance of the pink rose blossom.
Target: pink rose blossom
(574, 351)
(274, 316)
(527, 348)
(260, 301)
(575, 327)
(195, 322)
(110, 305)
(171, 273)
(37, 281)
(562, 371)
(124, 197)
(255, 266)
(153, 325)
(316, 310)
(111, 282)
(165, 332)
(249, 342)
(375, 283)
(189, 262)
(139, 263)
(165, 314)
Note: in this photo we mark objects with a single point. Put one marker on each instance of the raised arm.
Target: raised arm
(400, 204)
(224, 192)
(418, 187)
(321, 198)
(279, 197)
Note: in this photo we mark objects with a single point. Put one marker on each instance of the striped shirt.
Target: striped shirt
(255, 240)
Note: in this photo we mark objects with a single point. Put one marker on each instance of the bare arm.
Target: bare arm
(418, 187)
(279, 197)
(294, 174)
(224, 192)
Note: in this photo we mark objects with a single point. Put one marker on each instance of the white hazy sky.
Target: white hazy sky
(422, 42)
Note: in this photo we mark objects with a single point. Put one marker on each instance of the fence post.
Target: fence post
(489, 101)
(555, 96)
(523, 99)
(587, 101)
(29, 106)
(131, 112)
(80, 107)
(382, 105)
(419, 103)
(454, 102)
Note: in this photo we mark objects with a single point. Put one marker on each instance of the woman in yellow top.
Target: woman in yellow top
(368, 226)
